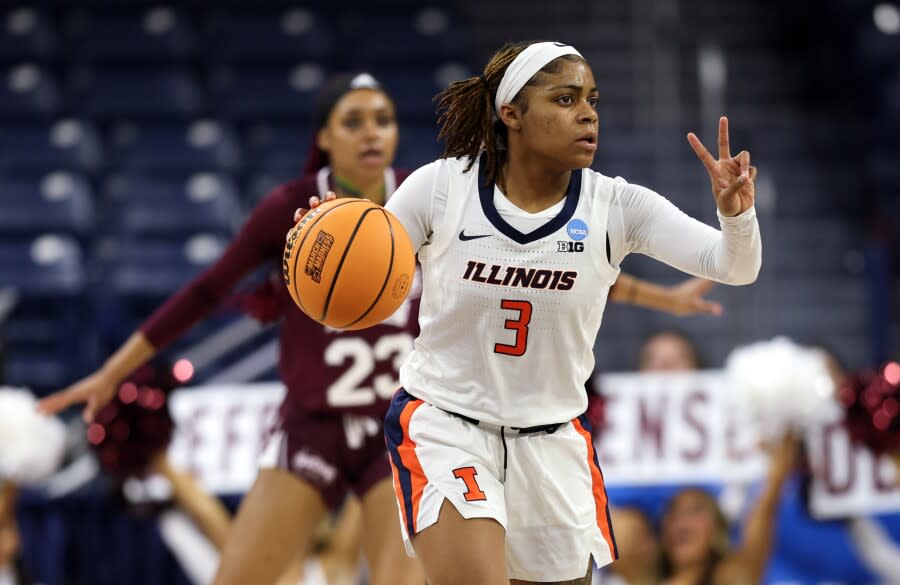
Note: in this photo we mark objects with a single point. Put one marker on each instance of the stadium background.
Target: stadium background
(135, 136)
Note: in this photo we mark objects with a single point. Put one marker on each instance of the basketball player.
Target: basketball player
(335, 385)
(334, 381)
(496, 476)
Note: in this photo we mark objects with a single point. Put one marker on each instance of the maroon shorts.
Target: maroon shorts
(334, 454)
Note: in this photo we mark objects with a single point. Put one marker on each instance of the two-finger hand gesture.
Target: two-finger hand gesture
(732, 177)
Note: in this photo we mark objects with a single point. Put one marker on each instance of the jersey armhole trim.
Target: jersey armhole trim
(457, 191)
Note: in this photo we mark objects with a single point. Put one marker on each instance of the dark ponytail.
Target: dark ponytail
(468, 121)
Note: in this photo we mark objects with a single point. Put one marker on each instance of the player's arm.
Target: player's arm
(255, 244)
(207, 512)
(652, 225)
(748, 561)
(414, 201)
(685, 298)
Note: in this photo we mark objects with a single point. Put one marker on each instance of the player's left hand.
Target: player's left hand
(732, 177)
(688, 298)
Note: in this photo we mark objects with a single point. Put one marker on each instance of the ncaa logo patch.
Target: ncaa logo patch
(577, 230)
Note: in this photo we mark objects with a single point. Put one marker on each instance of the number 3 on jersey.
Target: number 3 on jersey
(519, 325)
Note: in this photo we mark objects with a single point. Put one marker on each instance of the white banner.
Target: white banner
(660, 429)
(674, 428)
(849, 480)
(219, 432)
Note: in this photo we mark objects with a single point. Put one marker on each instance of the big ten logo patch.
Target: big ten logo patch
(315, 262)
(569, 246)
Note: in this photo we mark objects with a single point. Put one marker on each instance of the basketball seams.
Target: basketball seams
(296, 279)
(337, 272)
(387, 276)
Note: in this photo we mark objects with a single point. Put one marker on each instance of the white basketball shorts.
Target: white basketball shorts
(544, 487)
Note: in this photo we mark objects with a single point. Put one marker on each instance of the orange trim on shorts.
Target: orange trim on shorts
(407, 452)
(599, 489)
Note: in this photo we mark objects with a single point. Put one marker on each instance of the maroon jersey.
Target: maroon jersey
(326, 371)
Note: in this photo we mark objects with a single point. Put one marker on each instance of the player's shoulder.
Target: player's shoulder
(596, 185)
(597, 178)
(447, 165)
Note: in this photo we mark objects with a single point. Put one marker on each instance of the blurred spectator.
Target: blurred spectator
(695, 543)
(639, 551)
(669, 351)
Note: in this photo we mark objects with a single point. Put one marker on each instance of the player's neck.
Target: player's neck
(372, 188)
(530, 185)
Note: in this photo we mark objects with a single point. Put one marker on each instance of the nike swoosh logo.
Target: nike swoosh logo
(464, 238)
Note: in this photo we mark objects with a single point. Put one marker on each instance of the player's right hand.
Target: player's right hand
(313, 203)
(95, 391)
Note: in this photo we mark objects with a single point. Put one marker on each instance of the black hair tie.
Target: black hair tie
(484, 82)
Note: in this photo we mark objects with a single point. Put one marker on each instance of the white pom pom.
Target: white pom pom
(781, 385)
(31, 444)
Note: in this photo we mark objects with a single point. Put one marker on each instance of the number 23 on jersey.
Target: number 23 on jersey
(360, 359)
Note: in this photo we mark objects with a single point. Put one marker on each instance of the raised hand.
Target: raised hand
(731, 178)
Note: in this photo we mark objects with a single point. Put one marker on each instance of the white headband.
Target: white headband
(534, 58)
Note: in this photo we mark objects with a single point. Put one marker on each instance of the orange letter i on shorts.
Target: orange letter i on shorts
(467, 474)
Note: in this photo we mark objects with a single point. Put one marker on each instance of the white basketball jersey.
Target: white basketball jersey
(508, 319)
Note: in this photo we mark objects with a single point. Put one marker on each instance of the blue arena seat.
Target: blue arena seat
(141, 205)
(267, 93)
(136, 274)
(66, 144)
(290, 34)
(48, 274)
(26, 33)
(57, 202)
(414, 90)
(203, 144)
(137, 93)
(154, 33)
(49, 264)
(153, 268)
(418, 146)
(271, 144)
(424, 36)
(262, 183)
(27, 90)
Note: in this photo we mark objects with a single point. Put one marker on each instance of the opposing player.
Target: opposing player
(495, 472)
(329, 442)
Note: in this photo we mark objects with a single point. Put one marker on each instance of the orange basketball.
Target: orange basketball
(348, 264)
